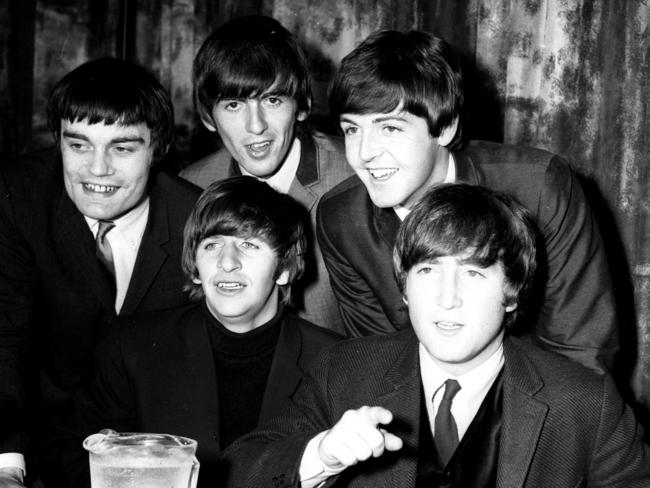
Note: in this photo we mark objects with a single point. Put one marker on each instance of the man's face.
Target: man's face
(105, 167)
(394, 155)
(457, 310)
(258, 132)
(236, 275)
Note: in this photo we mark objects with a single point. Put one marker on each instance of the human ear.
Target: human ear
(283, 279)
(302, 114)
(208, 124)
(196, 281)
(207, 120)
(447, 134)
(511, 308)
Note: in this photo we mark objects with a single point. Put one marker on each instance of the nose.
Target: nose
(448, 296)
(369, 148)
(256, 119)
(100, 164)
(229, 258)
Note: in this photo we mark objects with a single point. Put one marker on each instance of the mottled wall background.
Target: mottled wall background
(567, 75)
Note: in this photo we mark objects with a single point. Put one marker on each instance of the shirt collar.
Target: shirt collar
(130, 225)
(282, 179)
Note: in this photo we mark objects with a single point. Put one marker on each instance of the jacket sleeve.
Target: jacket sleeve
(620, 456)
(361, 310)
(577, 316)
(18, 288)
(107, 402)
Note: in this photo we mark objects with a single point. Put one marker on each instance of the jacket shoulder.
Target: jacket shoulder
(311, 331)
(212, 167)
(153, 327)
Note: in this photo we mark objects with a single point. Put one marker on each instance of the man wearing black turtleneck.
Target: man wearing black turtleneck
(216, 369)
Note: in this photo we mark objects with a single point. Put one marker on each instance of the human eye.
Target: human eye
(231, 105)
(475, 273)
(249, 245)
(349, 130)
(211, 244)
(78, 146)
(123, 149)
(274, 100)
(391, 129)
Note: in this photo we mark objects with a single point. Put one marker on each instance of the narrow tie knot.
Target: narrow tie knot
(103, 248)
(104, 227)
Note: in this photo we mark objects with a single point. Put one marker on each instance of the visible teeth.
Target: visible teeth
(447, 325)
(229, 286)
(382, 172)
(259, 146)
(100, 188)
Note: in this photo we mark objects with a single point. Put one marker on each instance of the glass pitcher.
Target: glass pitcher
(139, 460)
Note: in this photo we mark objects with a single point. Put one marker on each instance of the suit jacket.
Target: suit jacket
(322, 166)
(563, 425)
(55, 300)
(574, 307)
(157, 374)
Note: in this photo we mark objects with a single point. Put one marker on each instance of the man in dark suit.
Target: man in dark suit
(252, 88)
(87, 233)
(215, 369)
(398, 97)
(453, 402)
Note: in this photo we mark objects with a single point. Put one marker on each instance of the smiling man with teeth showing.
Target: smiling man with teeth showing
(252, 88)
(399, 98)
(454, 401)
(87, 233)
(215, 369)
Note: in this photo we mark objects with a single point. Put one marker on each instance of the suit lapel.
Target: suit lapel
(387, 224)
(152, 253)
(466, 170)
(403, 399)
(285, 374)
(75, 247)
(523, 418)
(306, 174)
(198, 392)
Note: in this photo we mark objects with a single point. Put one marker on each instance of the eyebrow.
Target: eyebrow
(377, 120)
(117, 140)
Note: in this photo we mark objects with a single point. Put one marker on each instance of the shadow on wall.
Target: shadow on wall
(624, 294)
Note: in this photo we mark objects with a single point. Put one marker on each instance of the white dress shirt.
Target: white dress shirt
(474, 386)
(282, 179)
(125, 240)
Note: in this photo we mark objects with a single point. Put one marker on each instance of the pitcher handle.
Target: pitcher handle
(194, 473)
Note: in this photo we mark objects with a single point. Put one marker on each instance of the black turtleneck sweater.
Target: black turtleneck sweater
(242, 361)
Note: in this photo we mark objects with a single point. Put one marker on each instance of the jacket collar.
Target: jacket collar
(75, 247)
(285, 373)
(307, 173)
(153, 250)
(466, 170)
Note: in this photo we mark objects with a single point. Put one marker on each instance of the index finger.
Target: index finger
(378, 415)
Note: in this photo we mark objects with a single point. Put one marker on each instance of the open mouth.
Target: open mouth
(259, 147)
(99, 188)
(228, 285)
(382, 173)
(444, 325)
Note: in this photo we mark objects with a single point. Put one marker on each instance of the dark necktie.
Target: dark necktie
(446, 432)
(103, 249)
